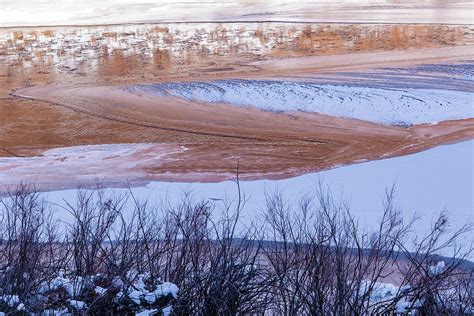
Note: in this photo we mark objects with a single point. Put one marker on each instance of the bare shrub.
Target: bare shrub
(322, 262)
(121, 255)
(27, 249)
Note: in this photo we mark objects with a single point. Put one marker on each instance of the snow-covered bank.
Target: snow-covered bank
(394, 106)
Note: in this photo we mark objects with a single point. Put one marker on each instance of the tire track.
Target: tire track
(122, 120)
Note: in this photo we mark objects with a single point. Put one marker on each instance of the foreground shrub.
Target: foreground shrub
(118, 255)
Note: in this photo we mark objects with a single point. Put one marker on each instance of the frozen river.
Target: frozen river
(439, 179)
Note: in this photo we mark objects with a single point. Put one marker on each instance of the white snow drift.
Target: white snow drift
(393, 106)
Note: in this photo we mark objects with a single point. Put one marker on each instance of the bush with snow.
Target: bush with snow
(67, 293)
(191, 259)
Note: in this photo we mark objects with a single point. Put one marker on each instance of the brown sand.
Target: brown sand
(47, 104)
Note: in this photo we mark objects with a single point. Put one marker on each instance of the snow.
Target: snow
(166, 289)
(150, 298)
(386, 292)
(147, 312)
(117, 282)
(438, 268)
(94, 162)
(100, 290)
(134, 289)
(78, 304)
(393, 106)
(72, 286)
(140, 294)
(54, 12)
(167, 310)
(135, 296)
(381, 291)
(11, 300)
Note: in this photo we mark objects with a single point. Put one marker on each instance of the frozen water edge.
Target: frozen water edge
(110, 163)
(426, 184)
(391, 106)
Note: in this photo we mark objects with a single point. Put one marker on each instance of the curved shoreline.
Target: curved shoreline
(67, 110)
(266, 145)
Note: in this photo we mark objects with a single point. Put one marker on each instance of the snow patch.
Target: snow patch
(392, 106)
(438, 268)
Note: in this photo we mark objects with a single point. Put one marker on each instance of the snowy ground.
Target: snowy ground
(85, 164)
(53, 12)
(393, 106)
(427, 183)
